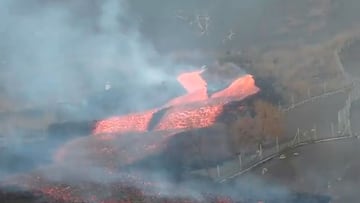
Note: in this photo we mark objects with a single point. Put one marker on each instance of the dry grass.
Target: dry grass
(245, 133)
(300, 70)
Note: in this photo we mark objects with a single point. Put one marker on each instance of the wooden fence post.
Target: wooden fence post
(279, 106)
(315, 135)
(304, 135)
(240, 161)
(297, 139)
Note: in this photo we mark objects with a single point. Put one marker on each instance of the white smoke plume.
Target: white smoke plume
(61, 50)
(55, 50)
(64, 50)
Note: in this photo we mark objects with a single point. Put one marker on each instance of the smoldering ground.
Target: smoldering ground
(90, 164)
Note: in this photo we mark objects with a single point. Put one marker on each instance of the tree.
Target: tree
(269, 120)
(242, 135)
(247, 132)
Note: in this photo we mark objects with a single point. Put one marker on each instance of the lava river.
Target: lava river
(197, 109)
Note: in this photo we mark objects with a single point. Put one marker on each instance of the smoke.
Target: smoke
(62, 50)
(55, 51)
(52, 51)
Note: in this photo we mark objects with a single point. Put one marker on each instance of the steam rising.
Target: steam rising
(62, 50)
(54, 51)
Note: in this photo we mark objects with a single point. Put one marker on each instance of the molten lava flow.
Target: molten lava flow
(127, 189)
(187, 117)
(192, 81)
(199, 95)
(239, 89)
(193, 110)
(195, 85)
(136, 122)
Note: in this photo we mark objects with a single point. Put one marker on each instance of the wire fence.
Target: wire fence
(316, 97)
(246, 162)
(243, 164)
(280, 155)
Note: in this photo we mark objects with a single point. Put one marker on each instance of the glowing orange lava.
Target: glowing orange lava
(188, 117)
(192, 81)
(129, 189)
(135, 122)
(239, 89)
(193, 110)
(194, 84)
(199, 95)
